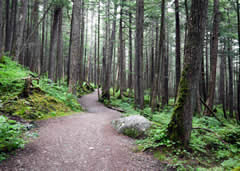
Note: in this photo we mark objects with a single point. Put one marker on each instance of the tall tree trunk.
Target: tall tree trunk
(106, 90)
(206, 54)
(95, 56)
(60, 63)
(230, 74)
(180, 126)
(14, 27)
(159, 47)
(105, 93)
(74, 49)
(213, 59)
(222, 81)
(42, 55)
(121, 51)
(238, 22)
(46, 60)
(165, 72)
(53, 44)
(34, 64)
(7, 26)
(21, 23)
(130, 76)
(152, 58)
(1, 28)
(98, 50)
(178, 45)
(81, 76)
(139, 101)
(186, 24)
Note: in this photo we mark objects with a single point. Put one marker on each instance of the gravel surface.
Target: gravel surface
(82, 142)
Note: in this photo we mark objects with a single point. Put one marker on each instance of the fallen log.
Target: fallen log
(202, 101)
(114, 108)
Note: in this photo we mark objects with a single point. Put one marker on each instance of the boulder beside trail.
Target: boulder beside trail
(133, 126)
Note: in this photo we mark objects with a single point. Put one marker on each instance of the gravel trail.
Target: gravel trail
(81, 142)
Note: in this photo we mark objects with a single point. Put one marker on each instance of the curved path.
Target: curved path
(83, 141)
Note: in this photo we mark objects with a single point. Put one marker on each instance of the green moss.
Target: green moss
(36, 106)
(175, 127)
(160, 156)
(131, 132)
(236, 169)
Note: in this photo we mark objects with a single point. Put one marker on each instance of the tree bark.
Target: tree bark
(222, 81)
(230, 82)
(21, 23)
(35, 60)
(98, 50)
(42, 55)
(81, 75)
(121, 51)
(7, 26)
(74, 49)
(106, 90)
(53, 44)
(165, 72)
(213, 59)
(180, 126)
(157, 72)
(130, 76)
(1, 29)
(139, 91)
(60, 63)
(14, 27)
(206, 54)
(238, 22)
(178, 46)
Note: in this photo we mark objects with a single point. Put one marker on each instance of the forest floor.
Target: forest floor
(83, 141)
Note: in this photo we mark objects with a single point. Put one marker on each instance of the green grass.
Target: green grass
(206, 149)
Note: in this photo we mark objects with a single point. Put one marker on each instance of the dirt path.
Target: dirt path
(84, 141)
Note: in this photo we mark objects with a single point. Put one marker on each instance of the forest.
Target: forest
(68, 68)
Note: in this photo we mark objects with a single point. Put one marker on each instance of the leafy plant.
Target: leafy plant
(11, 136)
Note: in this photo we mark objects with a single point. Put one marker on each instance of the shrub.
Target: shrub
(11, 136)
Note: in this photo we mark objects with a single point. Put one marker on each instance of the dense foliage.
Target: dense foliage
(11, 136)
(213, 144)
(47, 98)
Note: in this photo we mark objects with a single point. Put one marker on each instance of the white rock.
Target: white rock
(133, 126)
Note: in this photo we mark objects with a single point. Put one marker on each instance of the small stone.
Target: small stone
(91, 148)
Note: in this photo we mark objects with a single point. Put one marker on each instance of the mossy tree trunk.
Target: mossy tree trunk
(180, 126)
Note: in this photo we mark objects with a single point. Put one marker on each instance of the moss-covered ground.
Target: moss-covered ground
(216, 146)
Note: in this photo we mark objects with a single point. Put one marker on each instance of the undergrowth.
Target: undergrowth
(11, 136)
(47, 99)
(213, 145)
